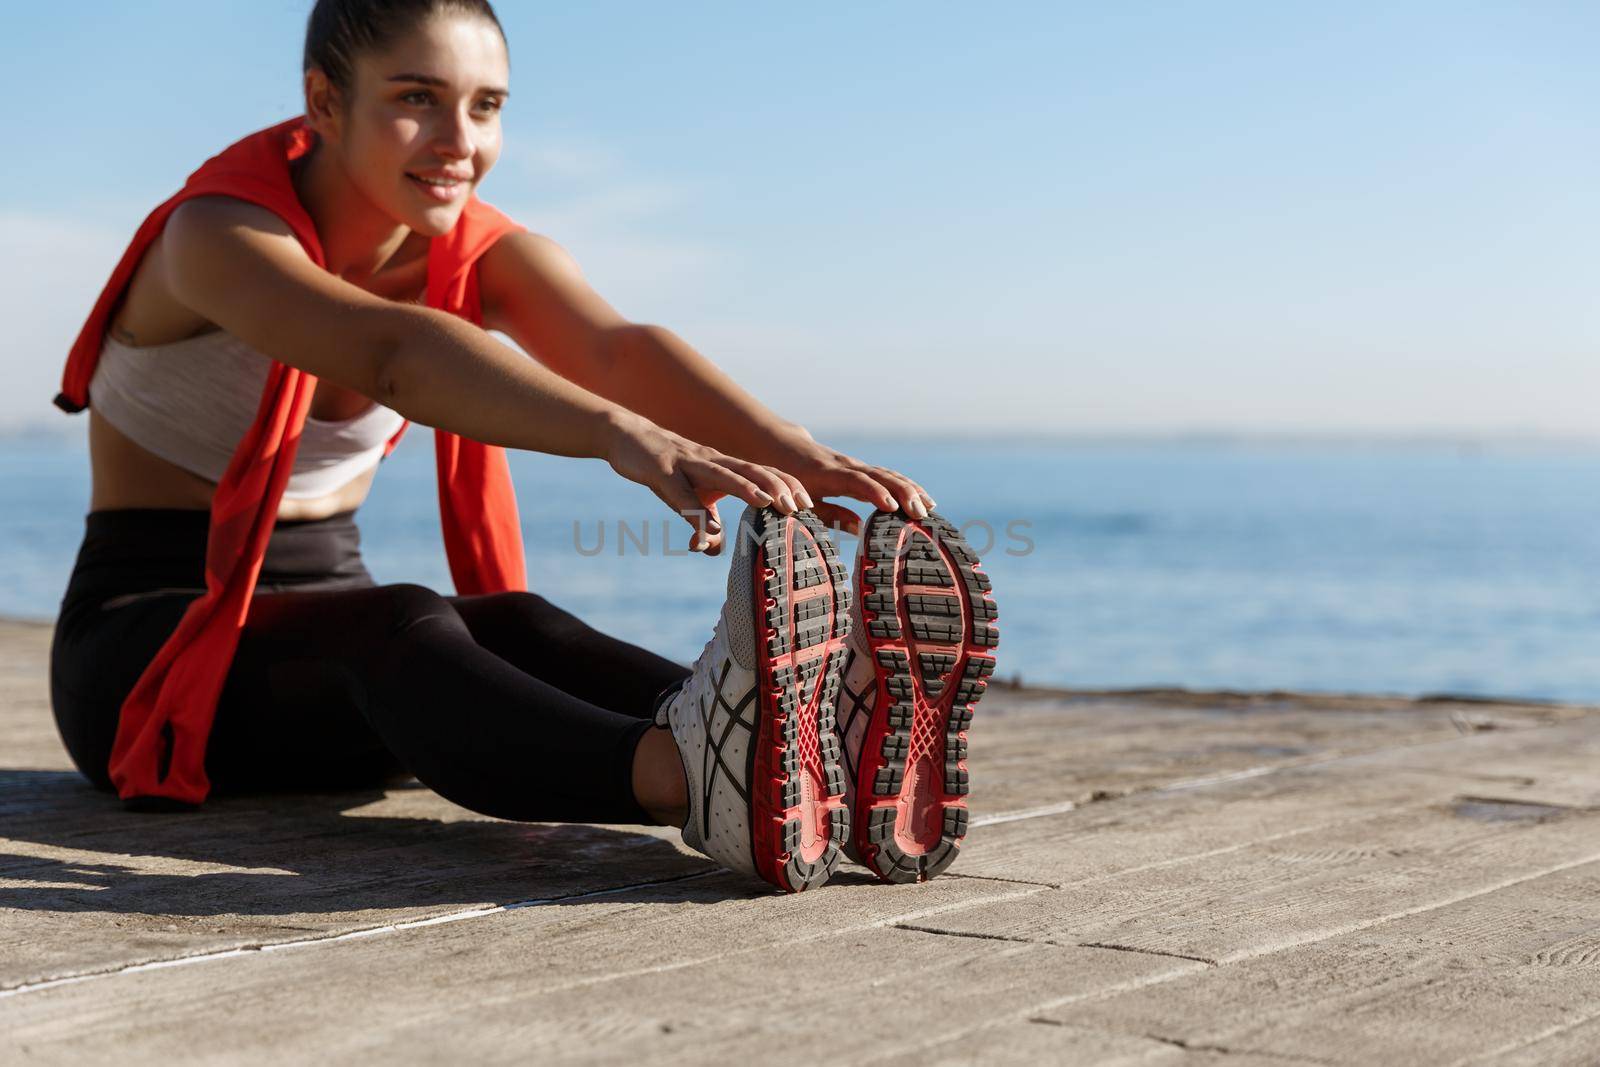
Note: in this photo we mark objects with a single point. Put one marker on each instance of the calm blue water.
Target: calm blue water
(1397, 569)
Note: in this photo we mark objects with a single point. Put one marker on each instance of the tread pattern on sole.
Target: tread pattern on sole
(929, 615)
(799, 820)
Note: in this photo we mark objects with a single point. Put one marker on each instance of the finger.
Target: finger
(905, 493)
(708, 502)
(797, 490)
(859, 485)
(837, 517)
(714, 527)
(719, 477)
(780, 492)
(679, 494)
(927, 499)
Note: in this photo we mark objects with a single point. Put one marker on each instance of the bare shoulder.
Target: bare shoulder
(207, 226)
(153, 312)
(534, 290)
(522, 258)
(219, 210)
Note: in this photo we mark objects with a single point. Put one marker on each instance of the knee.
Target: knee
(514, 608)
(529, 604)
(408, 605)
(534, 613)
(512, 600)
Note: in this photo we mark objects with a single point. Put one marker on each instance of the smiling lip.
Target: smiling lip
(441, 187)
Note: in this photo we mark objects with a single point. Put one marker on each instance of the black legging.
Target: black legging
(502, 702)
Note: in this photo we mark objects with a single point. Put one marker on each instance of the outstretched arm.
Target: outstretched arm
(534, 292)
(240, 267)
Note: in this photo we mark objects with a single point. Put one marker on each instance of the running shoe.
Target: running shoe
(920, 646)
(754, 721)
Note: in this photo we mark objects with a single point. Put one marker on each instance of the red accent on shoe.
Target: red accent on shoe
(928, 614)
(798, 818)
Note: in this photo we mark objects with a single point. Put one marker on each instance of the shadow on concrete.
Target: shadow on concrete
(288, 854)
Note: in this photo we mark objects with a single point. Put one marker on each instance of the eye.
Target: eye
(413, 96)
(491, 104)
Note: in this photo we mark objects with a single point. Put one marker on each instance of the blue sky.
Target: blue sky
(1053, 217)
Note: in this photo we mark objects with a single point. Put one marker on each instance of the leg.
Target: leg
(469, 724)
(96, 655)
(540, 639)
(288, 723)
(553, 645)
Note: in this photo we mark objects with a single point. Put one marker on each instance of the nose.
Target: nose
(454, 138)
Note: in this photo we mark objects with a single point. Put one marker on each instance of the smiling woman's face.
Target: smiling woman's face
(421, 125)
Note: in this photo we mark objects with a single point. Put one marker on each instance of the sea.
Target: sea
(1384, 567)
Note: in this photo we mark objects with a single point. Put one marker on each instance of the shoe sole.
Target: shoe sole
(798, 818)
(928, 612)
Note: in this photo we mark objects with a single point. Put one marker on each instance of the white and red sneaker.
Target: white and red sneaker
(754, 721)
(919, 649)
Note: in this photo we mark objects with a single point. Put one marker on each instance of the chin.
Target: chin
(433, 227)
(436, 223)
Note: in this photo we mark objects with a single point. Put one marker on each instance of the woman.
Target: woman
(498, 700)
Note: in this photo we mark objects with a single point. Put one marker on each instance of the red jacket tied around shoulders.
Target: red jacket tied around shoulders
(166, 718)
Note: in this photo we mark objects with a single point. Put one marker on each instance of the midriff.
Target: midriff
(129, 476)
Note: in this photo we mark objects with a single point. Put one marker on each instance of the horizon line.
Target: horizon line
(51, 429)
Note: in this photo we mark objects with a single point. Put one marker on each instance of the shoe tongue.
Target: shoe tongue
(664, 699)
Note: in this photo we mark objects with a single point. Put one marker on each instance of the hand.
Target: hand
(825, 471)
(690, 478)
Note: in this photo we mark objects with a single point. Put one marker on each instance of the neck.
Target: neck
(357, 239)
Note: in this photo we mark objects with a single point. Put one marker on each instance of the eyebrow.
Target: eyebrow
(440, 83)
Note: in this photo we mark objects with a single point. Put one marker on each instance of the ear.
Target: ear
(324, 106)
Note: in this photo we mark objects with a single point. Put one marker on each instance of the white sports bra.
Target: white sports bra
(191, 401)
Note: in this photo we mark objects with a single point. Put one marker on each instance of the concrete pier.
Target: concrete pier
(1153, 877)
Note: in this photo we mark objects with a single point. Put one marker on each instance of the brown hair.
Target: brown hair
(340, 30)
